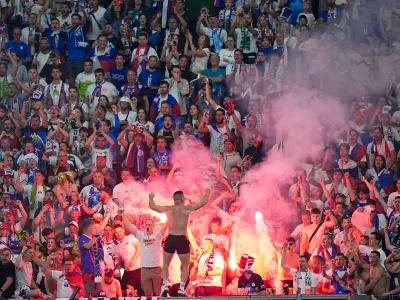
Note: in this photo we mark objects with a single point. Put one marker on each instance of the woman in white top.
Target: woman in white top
(227, 55)
(142, 121)
(199, 55)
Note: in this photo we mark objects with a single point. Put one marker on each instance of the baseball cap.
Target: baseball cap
(106, 189)
(37, 95)
(9, 172)
(125, 99)
(29, 156)
(73, 223)
(364, 256)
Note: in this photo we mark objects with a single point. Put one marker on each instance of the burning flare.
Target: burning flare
(232, 259)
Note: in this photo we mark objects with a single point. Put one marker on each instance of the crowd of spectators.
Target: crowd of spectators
(102, 102)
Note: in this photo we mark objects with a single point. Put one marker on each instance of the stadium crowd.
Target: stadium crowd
(103, 105)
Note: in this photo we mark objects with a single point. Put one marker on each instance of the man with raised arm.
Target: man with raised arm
(178, 216)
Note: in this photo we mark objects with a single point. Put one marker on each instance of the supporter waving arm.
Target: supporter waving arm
(352, 193)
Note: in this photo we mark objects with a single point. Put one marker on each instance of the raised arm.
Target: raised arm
(201, 203)
(157, 208)
(128, 225)
(332, 220)
(352, 193)
(285, 266)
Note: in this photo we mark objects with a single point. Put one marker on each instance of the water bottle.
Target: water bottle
(149, 80)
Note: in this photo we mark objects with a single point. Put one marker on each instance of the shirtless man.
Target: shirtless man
(178, 216)
(377, 275)
(111, 286)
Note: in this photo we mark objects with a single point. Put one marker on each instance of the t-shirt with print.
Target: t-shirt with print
(64, 290)
(102, 152)
(87, 255)
(218, 136)
(210, 262)
(255, 283)
(126, 250)
(38, 203)
(301, 277)
(150, 248)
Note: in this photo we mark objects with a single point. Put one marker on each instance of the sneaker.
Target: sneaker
(182, 293)
(164, 292)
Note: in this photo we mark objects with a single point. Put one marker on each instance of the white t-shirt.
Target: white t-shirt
(221, 33)
(106, 207)
(64, 290)
(96, 30)
(23, 276)
(207, 263)
(361, 221)
(301, 277)
(128, 193)
(217, 139)
(200, 63)
(218, 239)
(65, 24)
(225, 53)
(126, 250)
(130, 117)
(150, 249)
(107, 89)
(83, 81)
(367, 250)
(151, 52)
(56, 89)
(86, 192)
(391, 198)
(102, 152)
(250, 36)
(40, 195)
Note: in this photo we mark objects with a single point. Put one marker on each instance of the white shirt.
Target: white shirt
(253, 40)
(41, 60)
(225, 53)
(65, 24)
(102, 152)
(217, 139)
(218, 239)
(96, 30)
(391, 198)
(57, 87)
(150, 248)
(106, 207)
(208, 264)
(151, 52)
(126, 250)
(40, 195)
(107, 89)
(128, 193)
(130, 117)
(86, 192)
(367, 250)
(83, 81)
(222, 34)
(301, 277)
(200, 63)
(360, 220)
(25, 32)
(64, 290)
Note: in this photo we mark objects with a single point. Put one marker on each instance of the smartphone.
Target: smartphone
(48, 202)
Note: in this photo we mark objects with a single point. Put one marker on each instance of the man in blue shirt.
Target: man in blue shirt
(36, 131)
(77, 44)
(118, 73)
(56, 37)
(162, 156)
(18, 46)
(150, 79)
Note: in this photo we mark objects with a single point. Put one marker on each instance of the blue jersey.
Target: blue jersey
(76, 39)
(21, 48)
(87, 255)
(118, 77)
(57, 40)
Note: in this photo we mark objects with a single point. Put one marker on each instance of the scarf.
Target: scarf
(56, 93)
(390, 222)
(56, 35)
(75, 280)
(98, 255)
(4, 87)
(136, 154)
(216, 38)
(335, 251)
(209, 264)
(71, 107)
(143, 63)
(374, 148)
(125, 38)
(245, 41)
(96, 92)
(131, 90)
(12, 103)
(33, 195)
(227, 20)
(31, 175)
(298, 276)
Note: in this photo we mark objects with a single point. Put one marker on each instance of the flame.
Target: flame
(163, 218)
(232, 259)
